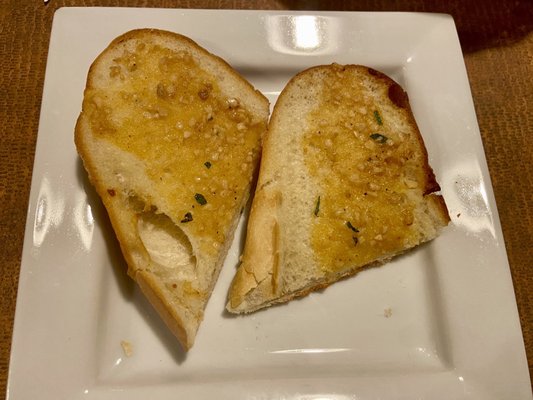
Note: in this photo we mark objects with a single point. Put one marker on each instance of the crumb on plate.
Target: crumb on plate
(127, 347)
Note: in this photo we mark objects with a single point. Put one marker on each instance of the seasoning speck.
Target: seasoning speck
(317, 207)
(200, 199)
(187, 218)
(353, 228)
(378, 137)
(378, 117)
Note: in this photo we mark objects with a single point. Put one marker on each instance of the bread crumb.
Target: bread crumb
(387, 312)
(127, 347)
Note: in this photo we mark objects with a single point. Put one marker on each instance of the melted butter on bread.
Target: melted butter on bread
(215, 139)
(366, 169)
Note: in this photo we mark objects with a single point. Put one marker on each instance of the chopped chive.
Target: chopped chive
(200, 199)
(378, 117)
(378, 137)
(187, 218)
(207, 164)
(353, 228)
(317, 207)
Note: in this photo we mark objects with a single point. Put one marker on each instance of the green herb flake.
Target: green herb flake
(317, 207)
(355, 240)
(200, 199)
(378, 137)
(186, 218)
(378, 117)
(207, 164)
(353, 228)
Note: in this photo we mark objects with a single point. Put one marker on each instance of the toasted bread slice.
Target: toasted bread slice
(170, 136)
(344, 183)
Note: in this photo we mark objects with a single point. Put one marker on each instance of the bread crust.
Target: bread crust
(247, 294)
(262, 248)
(176, 321)
(181, 319)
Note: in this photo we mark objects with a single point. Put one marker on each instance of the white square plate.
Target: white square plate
(438, 323)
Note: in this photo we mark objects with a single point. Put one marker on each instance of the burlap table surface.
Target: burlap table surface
(497, 41)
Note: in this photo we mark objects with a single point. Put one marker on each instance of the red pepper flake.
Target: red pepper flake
(111, 192)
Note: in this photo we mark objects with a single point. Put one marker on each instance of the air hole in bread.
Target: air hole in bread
(166, 244)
